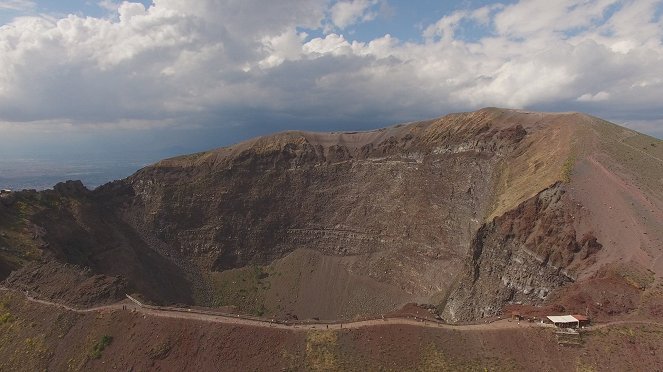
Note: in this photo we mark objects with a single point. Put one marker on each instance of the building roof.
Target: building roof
(562, 319)
(581, 318)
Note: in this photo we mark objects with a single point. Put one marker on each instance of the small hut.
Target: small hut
(563, 321)
(583, 320)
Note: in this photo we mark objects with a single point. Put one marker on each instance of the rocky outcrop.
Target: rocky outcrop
(520, 257)
(6, 268)
(404, 200)
(71, 188)
(68, 284)
(78, 228)
(402, 208)
(7, 200)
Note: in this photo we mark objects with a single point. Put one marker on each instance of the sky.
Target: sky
(146, 80)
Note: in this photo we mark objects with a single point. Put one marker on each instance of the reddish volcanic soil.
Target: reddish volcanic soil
(622, 216)
(38, 337)
(477, 214)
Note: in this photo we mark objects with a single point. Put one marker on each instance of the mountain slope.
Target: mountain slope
(465, 212)
(607, 212)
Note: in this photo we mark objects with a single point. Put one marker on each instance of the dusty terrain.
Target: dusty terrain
(473, 214)
(40, 337)
(373, 220)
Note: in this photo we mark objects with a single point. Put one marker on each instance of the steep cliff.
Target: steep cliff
(473, 210)
(521, 257)
(401, 204)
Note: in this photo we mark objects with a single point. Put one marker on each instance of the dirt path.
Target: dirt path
(226, 319)
(197, 315)
(624, 322)
(190, 314)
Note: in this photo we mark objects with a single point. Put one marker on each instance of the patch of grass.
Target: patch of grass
(322, 351)
(5, 314)
(293, 360)
(5, 318)
(16, 239)
(433, 360)
(260, 310)
(633, 274)
(100, 345)
(640, 279)
(567, 169)
(36, 346)
(244, 288)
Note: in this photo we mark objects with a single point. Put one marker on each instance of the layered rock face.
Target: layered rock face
(69, 244)
(405, 200)
(68, 284)
(521, 257)
(467, 211)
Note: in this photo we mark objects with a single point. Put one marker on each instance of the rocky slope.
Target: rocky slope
(36, 338)
(471, 212)
(522, 256)
(587, 244)
(404, 200)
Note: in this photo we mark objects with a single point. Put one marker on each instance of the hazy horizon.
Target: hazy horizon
(45, 167)
(102, 79)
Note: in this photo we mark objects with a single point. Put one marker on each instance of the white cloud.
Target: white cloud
(598, 97)
(445, 28)
(129, 10)
(109, 5)
(346, 13)
(286, 46)
(537, 17)
(331, 44)
(17, 5)
(240, 61)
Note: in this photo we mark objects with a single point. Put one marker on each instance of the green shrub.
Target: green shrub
(100, 346)
(260, 310)
(5, 315)
(5, 318)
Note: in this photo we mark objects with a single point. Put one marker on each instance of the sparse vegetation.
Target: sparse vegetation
(5, 318)
(5, 314)
(100, 345)
(321, 351)
(160, 350)
(567, 168)
(635, 275)
(260, 311)
(355, 232)
(433, 360)
(244, 288)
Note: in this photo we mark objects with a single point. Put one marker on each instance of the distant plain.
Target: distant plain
(41, 174)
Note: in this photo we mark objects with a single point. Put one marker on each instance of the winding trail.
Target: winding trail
(208, 316)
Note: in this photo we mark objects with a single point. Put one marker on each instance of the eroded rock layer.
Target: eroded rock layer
(521, 257)
(473, 210)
